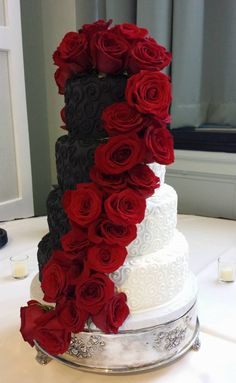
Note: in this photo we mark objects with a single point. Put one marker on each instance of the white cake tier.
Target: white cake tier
(175, 308)
(159, 170)
(159, 223)
(154, 279)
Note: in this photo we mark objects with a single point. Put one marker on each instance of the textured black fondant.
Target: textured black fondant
(57, 219)
(44, 252)
(86, 97)
(58, 224)
(74, 159)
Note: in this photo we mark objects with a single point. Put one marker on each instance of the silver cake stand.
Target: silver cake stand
(130, 351)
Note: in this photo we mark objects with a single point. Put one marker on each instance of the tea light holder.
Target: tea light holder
(19, 266)
(226, 269)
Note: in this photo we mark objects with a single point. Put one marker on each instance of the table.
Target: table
(214, 363)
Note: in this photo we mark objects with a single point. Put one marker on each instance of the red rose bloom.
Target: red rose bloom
(148, 55)
(150, 93)
(104, 230)
(53, 281)
(84, 204)
(130, 31)
(119, 154)
(125, 207)
(64, 258)
(93, 293)
(113, 315)
(75, 241)
(73, 49)
(106, 258)
(51, 335)
(63, 73)
(73, 266)
(70, 316)
(29, 315)
(107, 182)
(63, 116)
(143, 180)
(78, 270)
(160, 145)
(108, 52)
(121, 118)
(97, 26)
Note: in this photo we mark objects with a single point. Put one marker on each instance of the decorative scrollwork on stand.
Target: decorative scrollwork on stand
(169, 340)
(82, 348)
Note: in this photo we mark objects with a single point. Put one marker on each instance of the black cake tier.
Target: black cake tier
(44, 252)
(58, 222)
(74, 159)
(85, 98)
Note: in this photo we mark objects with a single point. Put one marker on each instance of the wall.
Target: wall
(44, 23)
(205, 183)
(31, 18)
(58, 18)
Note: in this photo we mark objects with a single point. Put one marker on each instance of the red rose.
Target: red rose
(93, 293)
(51, 335)
(63, 73)
(84, 204)
(97, 26)
(63, 116)
(109, 52)
(125, 207)
(143, 180)
(148, 55)
(130, 31)
(119, 154)
(160, 145)
(150, 92)
(73, 49)
(121, 118)
(70, 316)
(78, 270)
(64, 258)
(106, 258)
(110, 232)
(53, 281)
(75, 241)
(73, 266)
(108, 182)
(29, 315)
(113, 315)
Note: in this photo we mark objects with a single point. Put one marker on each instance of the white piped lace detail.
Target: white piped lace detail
(154, 279)
(157, 227)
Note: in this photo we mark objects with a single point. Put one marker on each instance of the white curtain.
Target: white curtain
(153, 14)
(202, 37)
(204, 61)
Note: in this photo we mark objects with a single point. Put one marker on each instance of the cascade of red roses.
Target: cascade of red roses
(103, 213)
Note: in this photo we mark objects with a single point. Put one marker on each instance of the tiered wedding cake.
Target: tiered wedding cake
(113, 267)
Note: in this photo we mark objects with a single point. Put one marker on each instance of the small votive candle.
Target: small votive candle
(226, 269)
(20, 266)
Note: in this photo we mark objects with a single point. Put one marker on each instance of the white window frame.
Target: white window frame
(11, 41)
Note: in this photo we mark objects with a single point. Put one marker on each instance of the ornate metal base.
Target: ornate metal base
(197, 344)
(130, 351)
(42, 357)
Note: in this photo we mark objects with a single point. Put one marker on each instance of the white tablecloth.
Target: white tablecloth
(214, 363)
